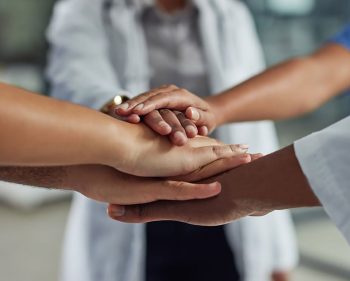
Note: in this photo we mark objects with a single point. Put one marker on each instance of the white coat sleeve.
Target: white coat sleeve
(325, 160)
(79, 69)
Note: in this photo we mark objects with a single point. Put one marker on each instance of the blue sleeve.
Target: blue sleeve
(342, 38)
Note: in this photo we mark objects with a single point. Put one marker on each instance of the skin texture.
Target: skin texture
(286, 90)
(173, 124)
(242, 195)
(120, 188)
(43, 131)
(39, 131)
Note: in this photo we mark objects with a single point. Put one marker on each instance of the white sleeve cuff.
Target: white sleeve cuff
(320, 160)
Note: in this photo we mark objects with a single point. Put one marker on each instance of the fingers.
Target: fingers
(215, 168)
(182, 191)
(175, 99)
(170, 97)
(158, 123)
(178, 135)
(199, 117)
(126, 107)
(197, 212)
(155, 121)
(144, 190)
(203, 131)
(144, 213)
(133, 118)
(201, 141)
(188, 125)
(204, 155)
(156, 211)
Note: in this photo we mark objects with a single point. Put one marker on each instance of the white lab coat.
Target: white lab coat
(325, 160)
(95, 53)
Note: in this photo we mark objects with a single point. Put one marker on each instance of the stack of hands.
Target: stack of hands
(188, 166)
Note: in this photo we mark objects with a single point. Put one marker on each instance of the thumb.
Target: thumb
(196, 212)
(143, 213)
(201, 117)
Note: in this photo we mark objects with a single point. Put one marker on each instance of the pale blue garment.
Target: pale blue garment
(97, 52)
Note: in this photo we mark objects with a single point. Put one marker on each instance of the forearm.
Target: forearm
(48, 177)
(288, 89)
(273, 182)
(39, 131)
(76, 178)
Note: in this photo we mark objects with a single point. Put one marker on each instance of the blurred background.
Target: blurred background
(33, 221)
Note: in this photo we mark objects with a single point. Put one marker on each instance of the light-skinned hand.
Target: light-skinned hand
(142, 152)
(105, 184)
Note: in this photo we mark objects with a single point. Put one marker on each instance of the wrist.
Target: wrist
(112, 143)
(216, 109)
(73, 179)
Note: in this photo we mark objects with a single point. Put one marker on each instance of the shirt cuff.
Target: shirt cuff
(317, 168)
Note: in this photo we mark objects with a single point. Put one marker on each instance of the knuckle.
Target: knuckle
(179, 115)
(179, 190)
(164, 111)
(141, 212)
(154, 114)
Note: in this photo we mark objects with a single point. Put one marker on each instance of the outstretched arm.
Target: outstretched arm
(106, 184)
(273, 182)
(39, 131)
(289, 89)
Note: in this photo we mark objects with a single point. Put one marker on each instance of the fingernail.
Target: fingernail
(243, 146)
(213, 186)
(239, 148)
(139, 107)
(165, 126)
(117, 211)
(242, 150)
(191, 130)
(195, 114)
(204, 130)
(180, 137)
(123, 106)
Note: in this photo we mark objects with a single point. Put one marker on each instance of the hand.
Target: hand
(144, 153)
(173, 98)
(165, 122)
(274, 182)
(105, 184)
(232, 203)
